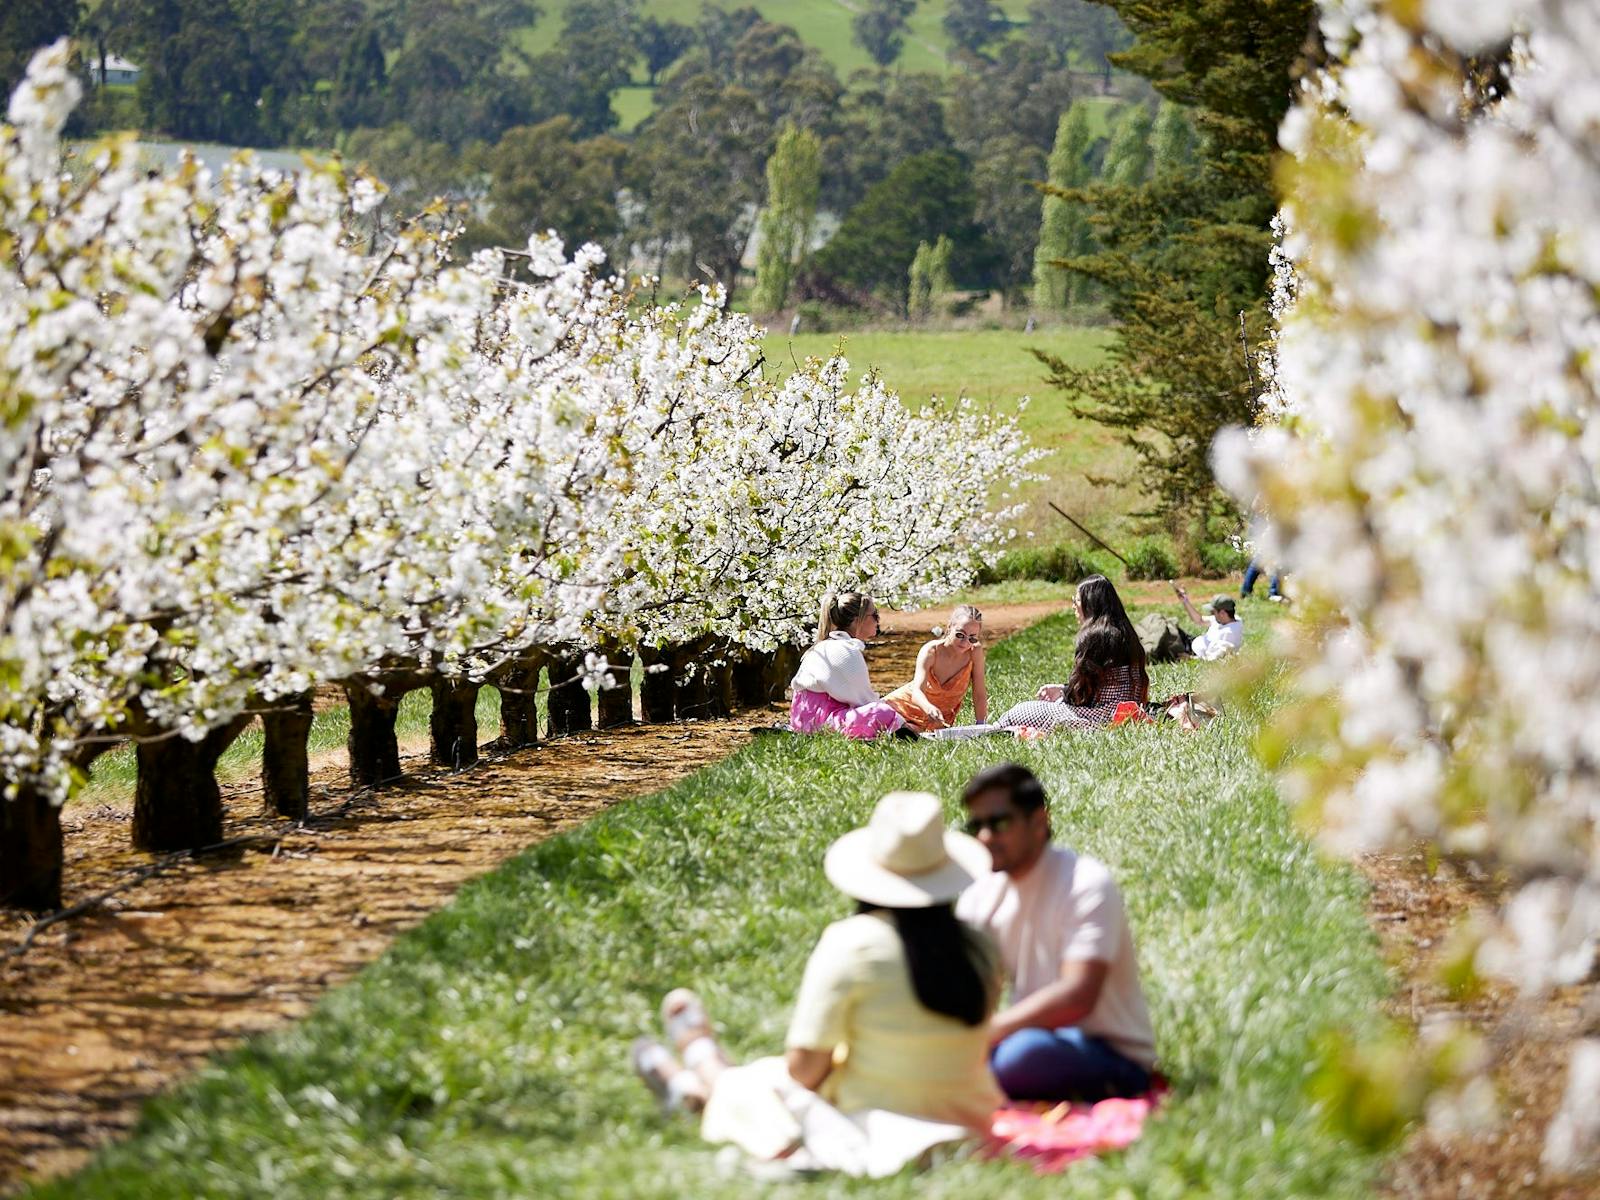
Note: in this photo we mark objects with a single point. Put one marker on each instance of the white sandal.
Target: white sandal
(674, 1086)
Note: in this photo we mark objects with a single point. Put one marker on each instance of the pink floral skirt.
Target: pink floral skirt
(812, 712)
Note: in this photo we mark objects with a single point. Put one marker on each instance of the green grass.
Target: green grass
(995, 368)
(485, 1055)
(824, 24)
(632, 105)
(113, 775)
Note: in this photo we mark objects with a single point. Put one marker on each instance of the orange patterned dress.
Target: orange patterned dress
(946, 697)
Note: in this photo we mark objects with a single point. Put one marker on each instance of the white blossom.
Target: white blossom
(244, 450)
(1431, 478)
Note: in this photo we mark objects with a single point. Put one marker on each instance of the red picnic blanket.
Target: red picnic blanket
(1052, 1136)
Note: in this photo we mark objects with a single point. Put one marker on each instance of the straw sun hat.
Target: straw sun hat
(905, 857)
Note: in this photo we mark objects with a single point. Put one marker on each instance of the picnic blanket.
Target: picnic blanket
(1053, 1136)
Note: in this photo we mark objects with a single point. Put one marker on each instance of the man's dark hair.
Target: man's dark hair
(1021, 784)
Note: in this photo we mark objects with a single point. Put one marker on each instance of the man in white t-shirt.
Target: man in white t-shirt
(1223, 633)
(1076, 1026)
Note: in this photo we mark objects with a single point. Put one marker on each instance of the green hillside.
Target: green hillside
(821, 23)
(824, 24)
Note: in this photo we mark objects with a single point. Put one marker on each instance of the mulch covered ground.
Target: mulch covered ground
(112, 1006)
(1413, 911)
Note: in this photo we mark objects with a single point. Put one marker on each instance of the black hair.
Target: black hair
(1106, 640)
(953, 968)
(1019, 783)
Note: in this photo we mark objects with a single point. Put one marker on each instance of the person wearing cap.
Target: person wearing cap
(891, 1016)
(1223, 632)
(1077, 1026)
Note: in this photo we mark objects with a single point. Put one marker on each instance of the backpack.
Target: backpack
(1162, 639)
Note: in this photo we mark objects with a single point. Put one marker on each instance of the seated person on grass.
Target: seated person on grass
(1108, 667)
(1223, 632)
(1077, 1027)
(831, 688)
(946, 668)
(891, 1017)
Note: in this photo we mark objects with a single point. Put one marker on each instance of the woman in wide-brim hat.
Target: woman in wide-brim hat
(892, 1014)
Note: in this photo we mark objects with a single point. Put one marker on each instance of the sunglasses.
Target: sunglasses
(996, 824)
(975, 639)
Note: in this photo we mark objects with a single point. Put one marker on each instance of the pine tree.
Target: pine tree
(1182, 254)
(794, 182)
(1064, 227)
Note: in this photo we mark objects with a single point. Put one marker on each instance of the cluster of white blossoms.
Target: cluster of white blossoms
(244, 450)
(1433, 480)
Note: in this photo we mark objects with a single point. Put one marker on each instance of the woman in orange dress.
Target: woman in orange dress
(946, 667)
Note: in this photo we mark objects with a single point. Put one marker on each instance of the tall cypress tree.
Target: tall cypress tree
(1128, 156)
(1182, 254)
(1063, 226)
(794, 182)
(1172, 140)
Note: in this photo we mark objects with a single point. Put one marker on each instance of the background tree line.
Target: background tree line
(441, 98)
(890, 188)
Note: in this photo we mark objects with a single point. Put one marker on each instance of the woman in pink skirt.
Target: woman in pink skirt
(831, 688)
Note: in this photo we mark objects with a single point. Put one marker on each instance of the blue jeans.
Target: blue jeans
(1252, 573)
(1064, 1064)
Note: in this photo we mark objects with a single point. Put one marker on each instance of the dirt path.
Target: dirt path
(1413, 913)
(111, 1007)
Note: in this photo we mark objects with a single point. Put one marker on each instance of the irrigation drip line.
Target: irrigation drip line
(1086, 532)
(138, 875)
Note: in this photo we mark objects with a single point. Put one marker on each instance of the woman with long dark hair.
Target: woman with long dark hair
(892, 1015)
(1108, 667)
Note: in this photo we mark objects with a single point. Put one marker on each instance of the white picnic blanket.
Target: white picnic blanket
(762, 1110)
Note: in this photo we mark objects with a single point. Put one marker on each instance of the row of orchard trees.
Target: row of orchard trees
(1433, 475)
(245, 452)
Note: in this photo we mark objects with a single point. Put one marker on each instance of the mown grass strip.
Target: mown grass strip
(485, 1053)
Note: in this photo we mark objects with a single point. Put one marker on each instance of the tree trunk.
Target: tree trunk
(568, 703)
(177, 804)
(750, 678)
(453, 725)
(724, 696)
(785, 661)
(693, 694)
(285, 760)
(701, 685)
(616, 703)
(659, 689)
(519, 709)
(373, 749)
(30, 852)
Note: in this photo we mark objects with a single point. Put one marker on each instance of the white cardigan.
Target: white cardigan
(838, 668)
